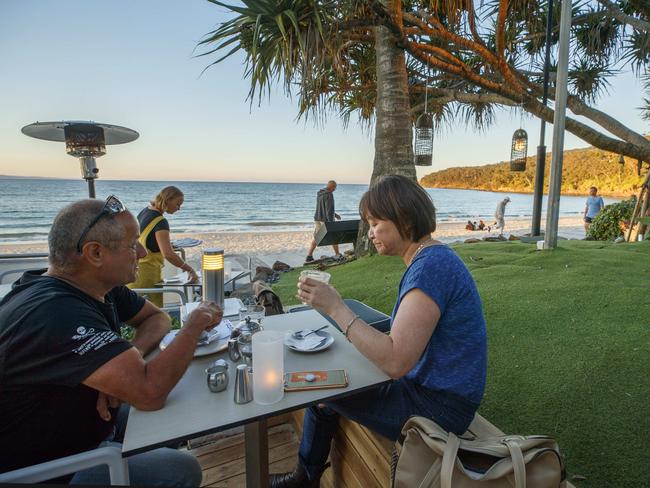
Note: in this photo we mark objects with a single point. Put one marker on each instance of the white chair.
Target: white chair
(239, 272)
(165, 289)
(110, 456)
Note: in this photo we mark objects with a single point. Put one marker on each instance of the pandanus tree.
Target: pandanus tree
(347, 56)
(335, 55)
(373, 58)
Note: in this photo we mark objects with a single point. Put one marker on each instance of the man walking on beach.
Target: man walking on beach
(324, 213)
(66, 368)
(594, 205)
(500, 215)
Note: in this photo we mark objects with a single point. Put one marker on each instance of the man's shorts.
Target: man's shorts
(317, 225)
(589, 220)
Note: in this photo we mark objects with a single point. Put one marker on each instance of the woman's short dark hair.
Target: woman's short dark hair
(403, 202)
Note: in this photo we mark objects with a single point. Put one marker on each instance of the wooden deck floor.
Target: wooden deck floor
(223, 463)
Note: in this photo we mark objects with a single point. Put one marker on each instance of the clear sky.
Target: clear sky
(132, 63)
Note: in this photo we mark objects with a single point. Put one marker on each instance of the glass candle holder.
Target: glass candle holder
(268, 367)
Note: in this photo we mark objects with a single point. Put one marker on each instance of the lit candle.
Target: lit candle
(268, 367)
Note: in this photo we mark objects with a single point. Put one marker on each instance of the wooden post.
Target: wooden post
(637, 207)
(644, 210)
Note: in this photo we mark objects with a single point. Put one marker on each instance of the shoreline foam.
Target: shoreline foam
(291, 246)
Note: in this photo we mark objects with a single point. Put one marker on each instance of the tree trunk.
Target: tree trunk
(393, 128)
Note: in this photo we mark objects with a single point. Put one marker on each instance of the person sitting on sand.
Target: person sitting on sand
(66, 368)
(469, 225)
(481, 225)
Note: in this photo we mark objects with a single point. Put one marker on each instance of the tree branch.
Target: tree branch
(624, 18)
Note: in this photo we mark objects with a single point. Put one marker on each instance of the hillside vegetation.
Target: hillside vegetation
(582, 168)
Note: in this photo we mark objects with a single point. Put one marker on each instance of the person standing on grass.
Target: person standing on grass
(594, 205)
(324, 213)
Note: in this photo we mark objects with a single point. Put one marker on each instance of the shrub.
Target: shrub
(607, 224)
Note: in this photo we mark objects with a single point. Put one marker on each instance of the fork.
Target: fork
(299, 335)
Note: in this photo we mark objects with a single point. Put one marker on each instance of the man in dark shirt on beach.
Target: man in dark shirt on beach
(64, 367)
(324, 213)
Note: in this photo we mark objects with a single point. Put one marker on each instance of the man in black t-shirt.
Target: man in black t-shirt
(64, 367)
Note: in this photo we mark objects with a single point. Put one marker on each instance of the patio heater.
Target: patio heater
(212, 261)
(85, 140)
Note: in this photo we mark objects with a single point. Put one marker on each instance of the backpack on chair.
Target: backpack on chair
(426, 456)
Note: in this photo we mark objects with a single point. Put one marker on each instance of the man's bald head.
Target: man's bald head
(70, 223)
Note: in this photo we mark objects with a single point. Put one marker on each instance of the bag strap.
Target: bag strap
(518, 463)
(448, 460)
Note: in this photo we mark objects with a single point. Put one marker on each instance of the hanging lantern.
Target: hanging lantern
(423, 150)
(519, 150)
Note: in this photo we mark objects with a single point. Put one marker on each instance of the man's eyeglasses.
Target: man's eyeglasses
(112, 206)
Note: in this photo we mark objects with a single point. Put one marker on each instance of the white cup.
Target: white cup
(316, 275)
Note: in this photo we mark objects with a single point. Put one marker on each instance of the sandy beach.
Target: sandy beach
(291, 246)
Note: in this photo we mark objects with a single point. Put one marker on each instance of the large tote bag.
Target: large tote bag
(426, 456)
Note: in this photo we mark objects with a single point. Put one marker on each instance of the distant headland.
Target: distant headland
(582, 168)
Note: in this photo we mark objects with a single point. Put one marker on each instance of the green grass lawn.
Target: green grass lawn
(569, 344)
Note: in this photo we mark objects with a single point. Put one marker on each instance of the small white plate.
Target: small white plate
(212, 348)
(329, 340)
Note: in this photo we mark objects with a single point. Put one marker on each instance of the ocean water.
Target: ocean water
(28, 206)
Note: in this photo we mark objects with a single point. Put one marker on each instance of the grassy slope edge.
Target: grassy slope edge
(569, 343)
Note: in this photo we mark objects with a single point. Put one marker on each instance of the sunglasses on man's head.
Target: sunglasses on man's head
(112, 206)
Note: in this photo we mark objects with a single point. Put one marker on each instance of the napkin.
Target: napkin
(231, 307)
(310, 342)
(221, 331)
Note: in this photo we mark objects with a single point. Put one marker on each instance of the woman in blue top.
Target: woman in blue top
(436, 350)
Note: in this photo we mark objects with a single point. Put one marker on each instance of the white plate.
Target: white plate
(212, 348)
(329, 340)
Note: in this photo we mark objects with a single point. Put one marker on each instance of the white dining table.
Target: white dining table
(192, 410)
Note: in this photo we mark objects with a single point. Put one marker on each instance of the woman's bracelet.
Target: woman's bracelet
(350, 324)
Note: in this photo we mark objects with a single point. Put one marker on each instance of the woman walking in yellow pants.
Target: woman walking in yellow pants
(154, 236)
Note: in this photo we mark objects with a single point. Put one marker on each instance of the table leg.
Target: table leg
(257, 455)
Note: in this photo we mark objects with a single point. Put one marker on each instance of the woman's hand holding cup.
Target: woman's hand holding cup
(314, 290)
